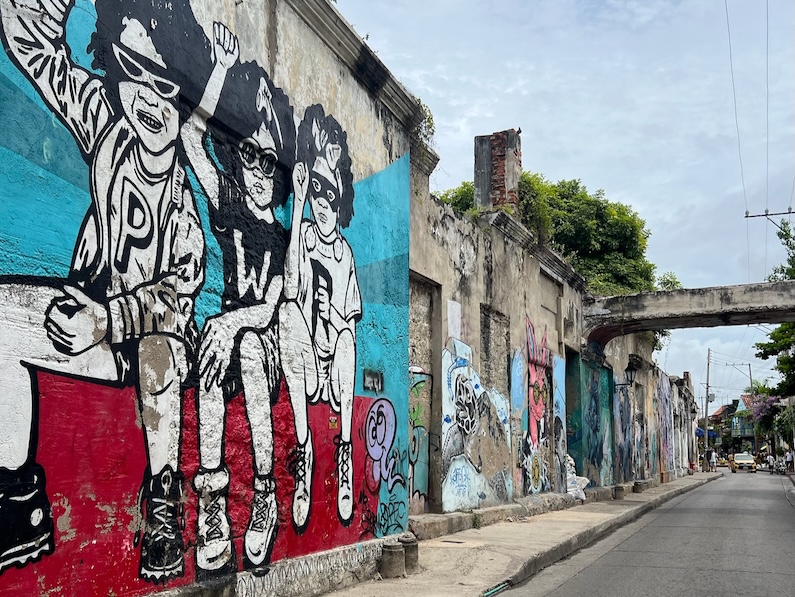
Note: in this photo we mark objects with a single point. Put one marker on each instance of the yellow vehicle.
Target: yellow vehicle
(744, 461)
(722, 461)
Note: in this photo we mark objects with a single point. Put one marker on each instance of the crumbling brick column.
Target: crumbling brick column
(498, 167)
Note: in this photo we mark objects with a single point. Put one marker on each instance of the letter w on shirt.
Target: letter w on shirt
(246, 280)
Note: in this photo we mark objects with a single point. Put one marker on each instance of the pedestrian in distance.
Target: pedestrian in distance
(771, 463)
(788, 458)
(713, 462)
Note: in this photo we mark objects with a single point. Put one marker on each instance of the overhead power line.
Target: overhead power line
(767, 120)
(739, 149)
(734, 95)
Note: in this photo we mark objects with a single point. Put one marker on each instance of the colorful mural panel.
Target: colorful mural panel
(206, 290)
(559, 422)
(518, 418)
(640, 452)
(653, 438)
(536, 442)
(597, 427)
(476, 436)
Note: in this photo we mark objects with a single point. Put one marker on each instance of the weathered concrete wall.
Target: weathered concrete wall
(508, 310)
(204, 217)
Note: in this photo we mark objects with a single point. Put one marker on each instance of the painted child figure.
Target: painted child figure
(254, 142)
(126, 315)
(322, 304)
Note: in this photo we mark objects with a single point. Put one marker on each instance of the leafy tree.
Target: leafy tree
(781, 341)
(758, 388)
(784, 424)
(535, 212)
(764, 410)
(461, 198)
(605, 241)
(667, 281)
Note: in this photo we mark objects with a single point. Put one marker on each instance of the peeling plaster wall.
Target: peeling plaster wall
(489, 280)
(204, 221)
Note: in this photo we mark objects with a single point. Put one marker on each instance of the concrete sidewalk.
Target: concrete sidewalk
(472, 561)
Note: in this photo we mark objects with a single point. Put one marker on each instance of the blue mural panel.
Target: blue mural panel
(559, 422)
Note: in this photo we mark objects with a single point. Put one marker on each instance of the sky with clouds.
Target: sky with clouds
(633, 97)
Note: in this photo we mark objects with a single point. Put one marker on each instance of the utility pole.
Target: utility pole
(753, 395)
(706, 404)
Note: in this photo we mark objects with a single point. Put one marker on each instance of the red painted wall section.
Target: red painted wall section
(94, 464)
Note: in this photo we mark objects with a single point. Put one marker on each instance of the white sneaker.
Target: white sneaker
(302, 467)
(213, 535)
(264, 522)
(344, 457)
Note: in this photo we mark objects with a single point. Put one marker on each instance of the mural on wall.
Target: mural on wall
(639, 453)
(420, 392)
(518, 417)
(124, 312)
(623, 418)
(217, 327)
(665, 422)
(653, 438)
(559, 424)
(239, 347)
(535, 443)
(597, 428)
(476, 440)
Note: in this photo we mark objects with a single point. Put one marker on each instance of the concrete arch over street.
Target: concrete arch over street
(609, 317)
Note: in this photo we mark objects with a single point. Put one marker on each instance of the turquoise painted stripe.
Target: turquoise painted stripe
(40, 217)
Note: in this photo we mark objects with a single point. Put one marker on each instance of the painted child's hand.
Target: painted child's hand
(215, 352)
(75, 322)
(300, 183)
(225, 48)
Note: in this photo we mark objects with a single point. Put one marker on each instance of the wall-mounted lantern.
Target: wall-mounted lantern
(629, 375)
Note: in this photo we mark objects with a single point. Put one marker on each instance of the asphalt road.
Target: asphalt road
(734, 536)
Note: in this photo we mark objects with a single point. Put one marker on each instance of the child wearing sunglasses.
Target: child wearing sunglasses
(125, 313)
(244, 177)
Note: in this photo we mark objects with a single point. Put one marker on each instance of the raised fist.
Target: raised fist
(225, 48)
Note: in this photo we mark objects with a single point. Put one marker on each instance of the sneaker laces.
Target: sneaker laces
(214, 519)
(342, 456)
(261, 507)
(166, 513)
(297, 464)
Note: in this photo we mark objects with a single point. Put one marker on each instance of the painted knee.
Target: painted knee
(297, 353)
(162, 363)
